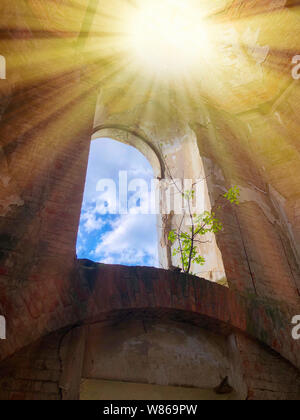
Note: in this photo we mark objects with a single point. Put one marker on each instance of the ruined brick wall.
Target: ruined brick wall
(45, 131)
(267, 375)
(253, 243)
(46, 120)
(116, 294)
(260, 255)
(48, 370)
(274, 146)
(34, 372)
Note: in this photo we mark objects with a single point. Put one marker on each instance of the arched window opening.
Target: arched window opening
(118, 224)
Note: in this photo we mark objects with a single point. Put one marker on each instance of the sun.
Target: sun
(168, 37)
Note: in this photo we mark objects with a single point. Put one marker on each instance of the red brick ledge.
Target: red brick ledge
(98, 292)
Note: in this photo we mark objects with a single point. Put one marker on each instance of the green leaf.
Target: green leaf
(172, 236)
(233, 195)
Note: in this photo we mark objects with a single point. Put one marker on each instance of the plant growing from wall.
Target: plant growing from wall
(188, 240)
(200, 225)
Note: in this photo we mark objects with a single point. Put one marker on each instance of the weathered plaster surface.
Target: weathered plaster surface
(161, 353)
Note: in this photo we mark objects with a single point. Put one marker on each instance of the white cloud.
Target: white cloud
(90, 221)
(80, 248)
(132, 240)
(109, 157)
(141, 172)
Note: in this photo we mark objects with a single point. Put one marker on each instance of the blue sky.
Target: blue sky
(129, 239)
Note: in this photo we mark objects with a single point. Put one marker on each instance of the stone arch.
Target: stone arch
(133, 138)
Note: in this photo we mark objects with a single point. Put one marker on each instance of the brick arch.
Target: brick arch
(98, 292)
(113, 291)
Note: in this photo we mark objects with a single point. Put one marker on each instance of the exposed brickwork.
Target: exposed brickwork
(104, 290)
(44, 370)
(43, 164)
(253, 244)
(268, 376)
(277, 153)
(34, 372)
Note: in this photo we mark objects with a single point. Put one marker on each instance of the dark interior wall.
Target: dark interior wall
(52, 367)
(48, 369)
(34, 372)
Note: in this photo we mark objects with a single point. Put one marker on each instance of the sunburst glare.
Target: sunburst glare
(168, 37)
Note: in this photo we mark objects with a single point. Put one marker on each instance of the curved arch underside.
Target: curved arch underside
(133, 138)
(103, 292)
